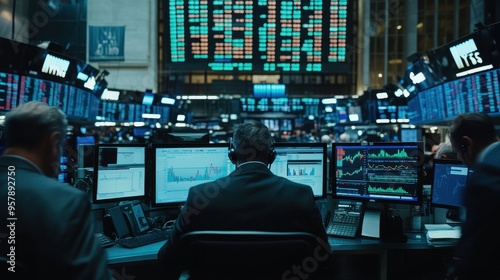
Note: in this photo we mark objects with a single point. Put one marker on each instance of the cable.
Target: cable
(13, 18)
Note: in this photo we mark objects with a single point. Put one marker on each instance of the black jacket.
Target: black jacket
(250, 198)
(53, 230)
(478, 249)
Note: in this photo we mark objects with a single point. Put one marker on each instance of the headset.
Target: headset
(463, 148)
(232, 155)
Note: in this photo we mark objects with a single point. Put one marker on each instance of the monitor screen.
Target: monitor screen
(179, 167)
(85, 148)
(261, 36)
(148, 98)
(8, 91)
(379, 172)
(410, 135)
(120, 172)
(448, 185)
(304, 163)
(187, 137)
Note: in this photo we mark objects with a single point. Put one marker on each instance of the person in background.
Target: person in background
(54, 235)
(250, 198)
(329, 148)
(474, 139)
(445, 151)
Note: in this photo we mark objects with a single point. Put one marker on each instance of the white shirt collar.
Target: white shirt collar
(253, 161)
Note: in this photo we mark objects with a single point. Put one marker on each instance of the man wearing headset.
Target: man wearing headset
(251, 198)
(476, 143)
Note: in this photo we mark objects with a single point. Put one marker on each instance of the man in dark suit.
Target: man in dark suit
(476, 143)
(250, 198)
(49, 229)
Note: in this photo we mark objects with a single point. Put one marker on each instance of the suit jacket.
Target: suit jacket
(478, 247)
(54, 234)
(250, 198)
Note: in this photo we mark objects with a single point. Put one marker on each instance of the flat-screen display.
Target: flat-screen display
(120, 172)
(388, 172)
(448, 184)
(178, 167)
(8, 91)
(304, 163)
(262, 36)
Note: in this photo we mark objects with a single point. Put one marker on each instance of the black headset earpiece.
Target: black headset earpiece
(231, 153)
(272, 155)
(463, 148)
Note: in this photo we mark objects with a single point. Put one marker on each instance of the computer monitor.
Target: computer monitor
(410, 135)
(187, 137)
(448, 184)
(378, 172)
(178, 167)
(304, 163)
(85, 148)
(120, 172)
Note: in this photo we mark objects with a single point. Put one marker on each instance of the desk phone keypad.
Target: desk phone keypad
(343, 225)
(104, 241)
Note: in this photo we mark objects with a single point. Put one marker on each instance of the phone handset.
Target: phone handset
(135, 217)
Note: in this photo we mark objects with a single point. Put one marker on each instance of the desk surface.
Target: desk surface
(416, 240)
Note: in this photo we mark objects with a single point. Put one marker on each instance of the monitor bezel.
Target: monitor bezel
(96, 173)
(325, 160)
(417, 199)
(451, 162)
(156, 146)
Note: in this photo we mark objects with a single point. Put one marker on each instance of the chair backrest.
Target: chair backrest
(246, 254)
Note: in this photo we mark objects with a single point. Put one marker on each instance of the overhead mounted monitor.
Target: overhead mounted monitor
(148, 98)
(262, 36)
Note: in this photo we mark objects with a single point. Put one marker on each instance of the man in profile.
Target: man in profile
(476, 143)
(49, 232)
(251, 198)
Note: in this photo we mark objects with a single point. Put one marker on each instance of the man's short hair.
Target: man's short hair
(477, 126)
(29, 124)
(252, 141)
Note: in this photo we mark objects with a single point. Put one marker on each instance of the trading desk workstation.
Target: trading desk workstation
(369, 214)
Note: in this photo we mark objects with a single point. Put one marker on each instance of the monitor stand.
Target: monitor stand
(371, 224)
(391, 227)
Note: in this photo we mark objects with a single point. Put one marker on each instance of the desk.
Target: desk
(360, 255)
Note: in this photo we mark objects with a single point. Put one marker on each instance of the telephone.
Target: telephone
(128, 219)
(346, 219)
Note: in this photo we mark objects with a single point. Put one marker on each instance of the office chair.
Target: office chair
(252, 255)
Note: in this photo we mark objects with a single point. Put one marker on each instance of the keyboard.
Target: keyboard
(144, 239)
(343, 225)
(104, 240)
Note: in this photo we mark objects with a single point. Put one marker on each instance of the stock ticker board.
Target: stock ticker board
(259, 35)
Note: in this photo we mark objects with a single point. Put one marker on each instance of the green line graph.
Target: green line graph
(398, 190)
(383, 154)
(341, 173)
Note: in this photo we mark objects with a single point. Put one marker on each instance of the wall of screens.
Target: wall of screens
(8, 90)
(475, 93)
(259, 35)
(129, 112)
(73, 101)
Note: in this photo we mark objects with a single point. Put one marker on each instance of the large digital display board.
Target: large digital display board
(259, 35)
